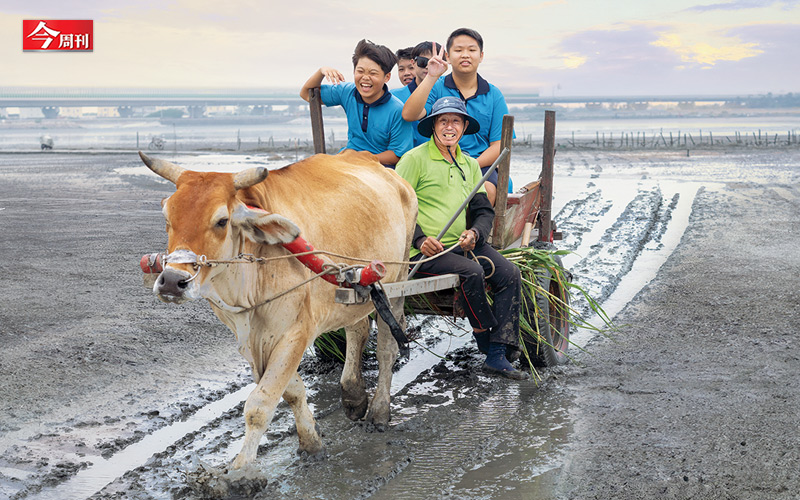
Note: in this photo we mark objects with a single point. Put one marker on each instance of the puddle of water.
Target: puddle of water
(94, 478)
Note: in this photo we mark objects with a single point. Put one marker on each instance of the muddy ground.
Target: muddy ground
(695, 397)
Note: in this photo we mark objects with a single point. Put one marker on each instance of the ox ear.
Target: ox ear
(264, 227)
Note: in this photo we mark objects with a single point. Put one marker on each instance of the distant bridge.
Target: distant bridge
(50, 99)
(45, 96)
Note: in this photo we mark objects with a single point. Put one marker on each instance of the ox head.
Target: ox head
(205, 217)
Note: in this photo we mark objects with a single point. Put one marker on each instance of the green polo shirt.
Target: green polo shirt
(441, 188)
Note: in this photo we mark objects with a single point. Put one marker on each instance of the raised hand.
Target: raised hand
(334, 76)
(437, 66)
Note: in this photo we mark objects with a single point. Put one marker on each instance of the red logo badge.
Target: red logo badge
(58, 34)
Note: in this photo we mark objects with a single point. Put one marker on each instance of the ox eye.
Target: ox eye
(222, 223)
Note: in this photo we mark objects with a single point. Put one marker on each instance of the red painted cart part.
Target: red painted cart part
(375, 271)
(313, 262)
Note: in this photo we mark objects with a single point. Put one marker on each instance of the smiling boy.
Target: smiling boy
(374, 115)
(405, 65)
(483, 100)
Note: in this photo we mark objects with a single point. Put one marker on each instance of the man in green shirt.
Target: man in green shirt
(443, 177)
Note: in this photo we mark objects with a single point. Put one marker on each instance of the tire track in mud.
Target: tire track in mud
(613, 255)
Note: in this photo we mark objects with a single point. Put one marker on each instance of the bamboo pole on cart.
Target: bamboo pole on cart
(317, 129)
(546, 181)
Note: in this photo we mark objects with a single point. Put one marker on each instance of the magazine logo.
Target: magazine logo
(58, 34)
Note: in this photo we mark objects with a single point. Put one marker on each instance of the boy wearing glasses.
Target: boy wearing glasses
(420, 54)
(374, 115)
(484, 101)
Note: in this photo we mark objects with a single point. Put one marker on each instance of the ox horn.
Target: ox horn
(249, 177)
(165, 169)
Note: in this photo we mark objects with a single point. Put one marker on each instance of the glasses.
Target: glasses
(421, 61)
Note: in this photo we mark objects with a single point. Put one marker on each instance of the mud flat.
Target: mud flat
(695, 397)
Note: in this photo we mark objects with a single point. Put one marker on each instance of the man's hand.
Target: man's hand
(431, 246)
(334, 76)
(467, 240)
(437, 66)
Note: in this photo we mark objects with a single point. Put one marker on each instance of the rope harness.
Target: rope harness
(365, 279)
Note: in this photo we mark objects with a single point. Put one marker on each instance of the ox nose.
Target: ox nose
(171, 284)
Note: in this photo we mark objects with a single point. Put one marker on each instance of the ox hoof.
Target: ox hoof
(377, 419)
(212, 482)
(355, 410)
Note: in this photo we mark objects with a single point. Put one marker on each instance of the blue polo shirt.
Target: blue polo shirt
(375, 127)
(487, 106)
(403, 93)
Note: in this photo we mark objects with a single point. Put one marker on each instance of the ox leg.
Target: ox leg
(354, 392)
(378, 414)
(295, 397)
(260, 405)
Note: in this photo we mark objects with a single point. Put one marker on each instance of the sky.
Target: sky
(552, 47)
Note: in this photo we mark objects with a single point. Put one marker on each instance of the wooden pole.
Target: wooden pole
(546, 180)
(503, 174)
(317, 129)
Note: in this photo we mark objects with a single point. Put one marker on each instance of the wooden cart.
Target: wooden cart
(516, 215)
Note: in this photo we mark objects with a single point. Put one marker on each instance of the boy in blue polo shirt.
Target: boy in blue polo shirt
(484, 101)
(374, 115)
(420, 54)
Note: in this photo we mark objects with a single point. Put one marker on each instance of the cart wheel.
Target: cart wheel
(553, 324)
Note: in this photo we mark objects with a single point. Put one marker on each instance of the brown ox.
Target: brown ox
(348, 204)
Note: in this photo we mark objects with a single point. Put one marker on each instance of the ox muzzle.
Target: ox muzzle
(172, 285)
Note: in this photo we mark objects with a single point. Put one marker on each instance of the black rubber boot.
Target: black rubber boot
(496, 363)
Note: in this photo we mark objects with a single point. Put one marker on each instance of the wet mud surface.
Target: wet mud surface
(107, 393)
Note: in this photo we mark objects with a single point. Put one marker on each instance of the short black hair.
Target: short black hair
(465, 31)
(378, 54)
(423, 47)
(404, 53)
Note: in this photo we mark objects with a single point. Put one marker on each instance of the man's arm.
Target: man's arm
(324, 73)
(414, 108)
(481, 214)
(486, 159)
(388, 158)
(489, 155)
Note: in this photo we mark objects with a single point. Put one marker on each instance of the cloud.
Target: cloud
(705, 53)
(654, 60)
(745, 4)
